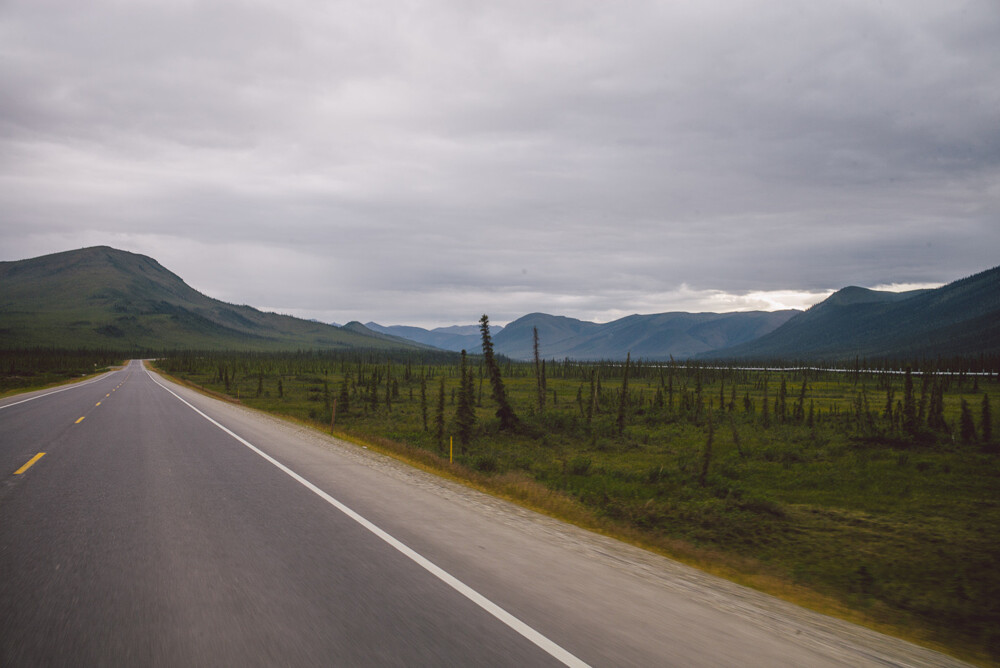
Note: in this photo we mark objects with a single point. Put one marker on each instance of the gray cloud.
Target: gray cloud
(425, 162)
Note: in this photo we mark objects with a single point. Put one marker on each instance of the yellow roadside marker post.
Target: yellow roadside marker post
(451, 449)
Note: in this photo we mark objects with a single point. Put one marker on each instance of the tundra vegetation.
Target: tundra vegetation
(870, 494)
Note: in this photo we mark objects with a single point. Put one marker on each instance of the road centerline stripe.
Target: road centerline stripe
(79, 420)
(29, 463)
(528, 632)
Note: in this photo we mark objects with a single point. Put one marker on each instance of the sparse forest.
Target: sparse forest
(876, 489)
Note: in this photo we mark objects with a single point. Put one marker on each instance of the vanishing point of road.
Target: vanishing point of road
(142, 523)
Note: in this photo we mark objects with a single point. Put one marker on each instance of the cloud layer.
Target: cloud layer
(424, 162)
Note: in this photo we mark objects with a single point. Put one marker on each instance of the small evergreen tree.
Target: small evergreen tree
(889, 399)
(909, 405)
(935, 413)
(439, 416)
(987, 419)
(344, 397)
(592, 405)
(623, 400)
(423, 399)
(706, 458)
(766, 417)
(925, 386)
(539, 374)
(508, 419)
(670, 390)
(967, 427)
(800, 407)
(780, 406)
(465, 414)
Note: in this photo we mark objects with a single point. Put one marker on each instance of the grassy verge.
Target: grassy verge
(845, 496)
(29, 370)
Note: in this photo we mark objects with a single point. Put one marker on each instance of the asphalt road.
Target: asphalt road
(162, 527)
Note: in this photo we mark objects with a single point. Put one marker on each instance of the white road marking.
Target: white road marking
(465, 590)
(47, 394)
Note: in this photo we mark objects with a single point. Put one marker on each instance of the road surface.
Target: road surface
(163, 527)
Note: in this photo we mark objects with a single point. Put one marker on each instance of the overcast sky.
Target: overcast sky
(425, 162)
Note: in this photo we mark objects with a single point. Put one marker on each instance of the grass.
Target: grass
(28, 370)
(853, 512)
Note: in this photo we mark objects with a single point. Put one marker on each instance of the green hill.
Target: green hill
(106, 298)
(960, 319)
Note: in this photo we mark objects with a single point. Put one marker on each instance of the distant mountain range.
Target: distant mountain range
(106, 298)
(651, 337)
(455, 337)
(958, 319)
(102, 297)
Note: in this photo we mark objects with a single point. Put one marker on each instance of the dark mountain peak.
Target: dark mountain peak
(357, 326)
(855, 295)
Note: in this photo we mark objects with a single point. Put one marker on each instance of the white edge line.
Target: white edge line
(62, 389)
(465, 590)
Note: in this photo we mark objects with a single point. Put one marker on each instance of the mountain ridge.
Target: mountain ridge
(101, 297)
(654, 337)
(958, 319)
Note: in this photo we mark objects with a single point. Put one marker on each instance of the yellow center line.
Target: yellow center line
(97, 404)
(80, 420)
(107, 395)
(30, 462)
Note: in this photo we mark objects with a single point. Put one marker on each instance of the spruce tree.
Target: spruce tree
(508, 419)
(439, 416)
(967, 427)
(423, 399)
(706, 457)
(670, 390)
(766, 415)
(780, 406)
(800, 407)
(539, 373)
(465, 414)
(344, 398)
(987, 419)
(592, 406)
(909, 405)
(925, 384)
(623, 400)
